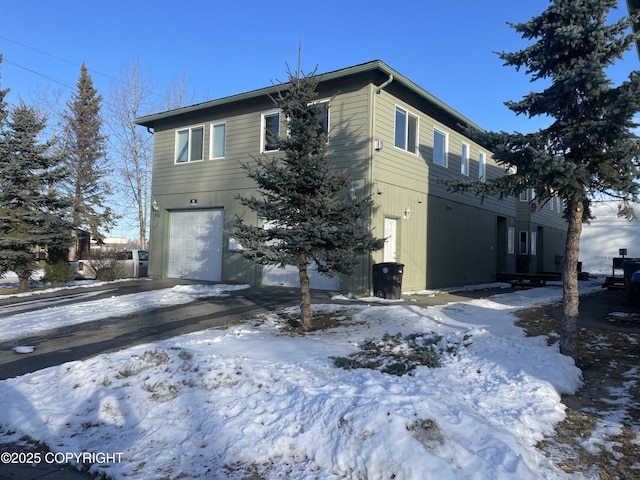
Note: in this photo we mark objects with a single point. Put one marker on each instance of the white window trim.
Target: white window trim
(175, 153)
(464, 158)
(211, 139)
(327, 101)
(406, 134)
(482, 166)
(263, 126)
(534, 243)
(524, 195)
(446, 147)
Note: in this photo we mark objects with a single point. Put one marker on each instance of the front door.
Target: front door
(390, 252)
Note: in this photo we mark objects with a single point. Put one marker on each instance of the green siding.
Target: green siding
(449, 239)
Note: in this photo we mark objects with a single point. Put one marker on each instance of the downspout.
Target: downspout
(385, 84)
(375, 91)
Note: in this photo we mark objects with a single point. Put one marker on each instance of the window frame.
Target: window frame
(189, 152)
(464, 158)
(212, 143)
(482, 166)
(263, 131)
(406, 130)
(445, 153)
(523, 235)
(534, 243)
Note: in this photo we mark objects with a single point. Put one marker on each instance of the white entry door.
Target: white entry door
(391, 239)
(195, 244)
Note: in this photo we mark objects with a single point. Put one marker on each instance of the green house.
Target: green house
(397, 142)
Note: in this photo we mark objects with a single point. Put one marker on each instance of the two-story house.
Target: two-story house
(396, 141)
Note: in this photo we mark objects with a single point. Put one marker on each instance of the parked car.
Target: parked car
(131, 263)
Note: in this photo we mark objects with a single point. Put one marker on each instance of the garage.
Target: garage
(195, 244)
(289, 277)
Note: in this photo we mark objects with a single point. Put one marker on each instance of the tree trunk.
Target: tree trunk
(305, 297)
(23, 281)
(570, 294)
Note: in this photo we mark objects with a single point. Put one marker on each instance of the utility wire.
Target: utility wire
(55, 57)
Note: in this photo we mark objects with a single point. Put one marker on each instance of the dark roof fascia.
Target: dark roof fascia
(376, 65)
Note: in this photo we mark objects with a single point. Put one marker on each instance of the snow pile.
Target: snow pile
(257, 400)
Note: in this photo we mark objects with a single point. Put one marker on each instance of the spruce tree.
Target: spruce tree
(86, 158)
(304, 199)
(589, 149)
(32, 212)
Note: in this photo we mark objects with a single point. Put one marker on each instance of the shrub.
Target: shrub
(398, 355)
(106, 265)
(58, 273)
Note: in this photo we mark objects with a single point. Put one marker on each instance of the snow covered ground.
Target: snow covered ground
(256, 399)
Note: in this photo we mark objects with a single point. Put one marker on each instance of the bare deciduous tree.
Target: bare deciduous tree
(130, 145)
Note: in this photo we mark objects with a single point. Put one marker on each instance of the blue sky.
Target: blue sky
(230, 47)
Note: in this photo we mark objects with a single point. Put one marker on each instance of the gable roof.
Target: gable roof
(149, 121)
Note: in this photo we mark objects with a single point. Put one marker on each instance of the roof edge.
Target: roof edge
(149, 120)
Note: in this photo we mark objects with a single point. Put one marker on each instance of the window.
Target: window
(511, 240)
(534, 243)
(482, 166)
(218, 140)
(524, 242)
(270, 131)
(439, 147)
(406, 130)
(524, 196)
(189, 144)
(325, 116)
(464, 159)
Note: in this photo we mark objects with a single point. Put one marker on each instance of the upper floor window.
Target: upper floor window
(217, 147)
(324, 121)
(482, 166)
(270, 131)
(464, 159)
(439, 147)
(406, 130)
(189, 143)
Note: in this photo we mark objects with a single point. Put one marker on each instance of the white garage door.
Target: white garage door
(289, 277)
(195, 244)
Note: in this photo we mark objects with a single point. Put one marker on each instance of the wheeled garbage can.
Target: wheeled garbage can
(387, 280)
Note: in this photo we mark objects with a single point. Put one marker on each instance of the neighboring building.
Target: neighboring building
(604, 237)
(397, 142)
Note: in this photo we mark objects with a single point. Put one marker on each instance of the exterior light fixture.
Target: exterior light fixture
(154, 205)
(352, 193)
(407, 213)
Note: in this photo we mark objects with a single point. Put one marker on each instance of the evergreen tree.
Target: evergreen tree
(85, 152)
(589, 149)
(32, 212)
(304, 200)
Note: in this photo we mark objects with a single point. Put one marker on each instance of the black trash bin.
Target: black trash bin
(387, 280)
(631, 287)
